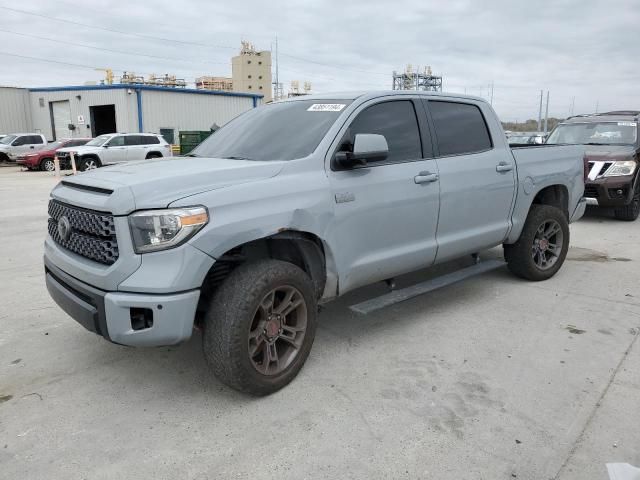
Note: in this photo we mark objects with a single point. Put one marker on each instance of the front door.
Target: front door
(477, 179)
(115, 151)
(385, 213)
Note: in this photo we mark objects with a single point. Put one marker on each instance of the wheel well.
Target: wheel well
(4, 157)
(159, 154)
(554, 195)
(303, 249)
(44, 159)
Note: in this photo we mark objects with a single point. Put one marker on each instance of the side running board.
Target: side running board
(412, 291)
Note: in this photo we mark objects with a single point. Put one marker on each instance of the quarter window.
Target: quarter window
(395, 120)
(460, 128)
(35, 139)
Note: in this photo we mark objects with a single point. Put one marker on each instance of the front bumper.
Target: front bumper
(609, 192)
(115, 315)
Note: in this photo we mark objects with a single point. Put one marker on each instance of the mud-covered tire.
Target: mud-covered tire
(630, 212)
(232, 313)
(520, 256)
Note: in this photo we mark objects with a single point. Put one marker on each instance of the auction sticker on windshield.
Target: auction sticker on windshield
(326, 107)
(627, 124)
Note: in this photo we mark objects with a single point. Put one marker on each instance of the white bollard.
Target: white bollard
(56, 163)
(73, 162)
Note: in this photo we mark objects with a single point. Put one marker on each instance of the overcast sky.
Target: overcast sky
(574, 48)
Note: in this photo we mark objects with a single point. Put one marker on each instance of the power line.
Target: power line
(112, 30)
(84, 45)
(59, 62)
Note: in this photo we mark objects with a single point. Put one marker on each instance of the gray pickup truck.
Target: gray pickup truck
(293, 204)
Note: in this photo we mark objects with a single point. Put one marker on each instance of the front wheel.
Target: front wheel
(260, 326)
(47, 165)
(543, 244)
(89, 164)
(630, 212)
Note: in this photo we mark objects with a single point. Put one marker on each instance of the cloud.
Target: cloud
(582, 49)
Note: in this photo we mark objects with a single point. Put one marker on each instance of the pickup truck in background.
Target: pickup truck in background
(612, 153)
(295, 203)
(17, 144)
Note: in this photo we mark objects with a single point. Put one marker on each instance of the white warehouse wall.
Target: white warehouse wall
(189, 111)
(15, 113)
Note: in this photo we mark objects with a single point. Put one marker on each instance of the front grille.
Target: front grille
(591, 191)
(92, 235)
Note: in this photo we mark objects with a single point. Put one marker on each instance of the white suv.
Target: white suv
(116, 148)
(17, 144)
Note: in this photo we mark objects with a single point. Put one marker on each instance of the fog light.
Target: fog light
(141, 318)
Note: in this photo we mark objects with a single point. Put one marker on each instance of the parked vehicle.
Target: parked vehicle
(117, 148)
(523, 138)
(16, 144)
(44, 159)
(613, 153)
(246, 236)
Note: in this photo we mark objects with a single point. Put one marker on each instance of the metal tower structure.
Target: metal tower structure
(410, 80)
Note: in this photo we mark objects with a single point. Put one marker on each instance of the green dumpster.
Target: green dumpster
(191, 139)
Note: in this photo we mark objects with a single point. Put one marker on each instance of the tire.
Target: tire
(532, 258)
(236, 322)
(630, 212)
(47, 165)
(89, 163)
(4, 157)
(153, 155)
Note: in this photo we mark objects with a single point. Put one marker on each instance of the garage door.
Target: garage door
(60, 119)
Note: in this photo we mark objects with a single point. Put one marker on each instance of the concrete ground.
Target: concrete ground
(493, 378)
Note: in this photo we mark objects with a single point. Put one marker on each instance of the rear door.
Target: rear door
(385, 214)
(136, 147)
(477, 178)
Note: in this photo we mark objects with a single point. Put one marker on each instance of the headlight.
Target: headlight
(154, 230)
(618, 169)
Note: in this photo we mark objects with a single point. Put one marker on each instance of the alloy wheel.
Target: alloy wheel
(277, 330)
(547, 244)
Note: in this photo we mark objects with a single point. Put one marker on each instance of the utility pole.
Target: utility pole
(546, 114)
(540, 114)
(491, 100)
(597, 105)
(277, 76)
(573, 104)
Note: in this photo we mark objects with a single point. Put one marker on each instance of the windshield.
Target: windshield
(54, 145)
(604, 133)
(279, 131)
(8, 139)
(98, 141)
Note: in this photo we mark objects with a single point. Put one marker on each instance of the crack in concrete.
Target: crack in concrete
(597, 406)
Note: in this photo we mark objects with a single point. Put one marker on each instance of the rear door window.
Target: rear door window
(397, 121)
(460, 128)
(35, 139)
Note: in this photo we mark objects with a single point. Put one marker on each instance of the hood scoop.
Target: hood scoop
(87, 188)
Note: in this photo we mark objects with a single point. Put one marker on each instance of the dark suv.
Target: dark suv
(612, 154)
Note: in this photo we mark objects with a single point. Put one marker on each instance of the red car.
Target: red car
(43, 159)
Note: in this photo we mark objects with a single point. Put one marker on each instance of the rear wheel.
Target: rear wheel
(90, 163)
(260, 326)
(153, 155)
(4, 157)
(47, 165)
(543, 244)
(630, 212)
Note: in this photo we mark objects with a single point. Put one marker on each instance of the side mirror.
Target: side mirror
(367, 147)
(105, 146)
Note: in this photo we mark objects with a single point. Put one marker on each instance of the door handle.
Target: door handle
(504, 167)
(425, 177)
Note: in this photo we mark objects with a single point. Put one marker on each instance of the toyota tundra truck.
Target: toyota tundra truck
(612, 155)
(293, 204)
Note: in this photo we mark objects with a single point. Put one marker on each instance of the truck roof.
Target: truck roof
(618, 115)
(352, 95)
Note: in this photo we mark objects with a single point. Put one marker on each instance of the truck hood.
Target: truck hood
(608, 153)
(80, 149)
(159, 182)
